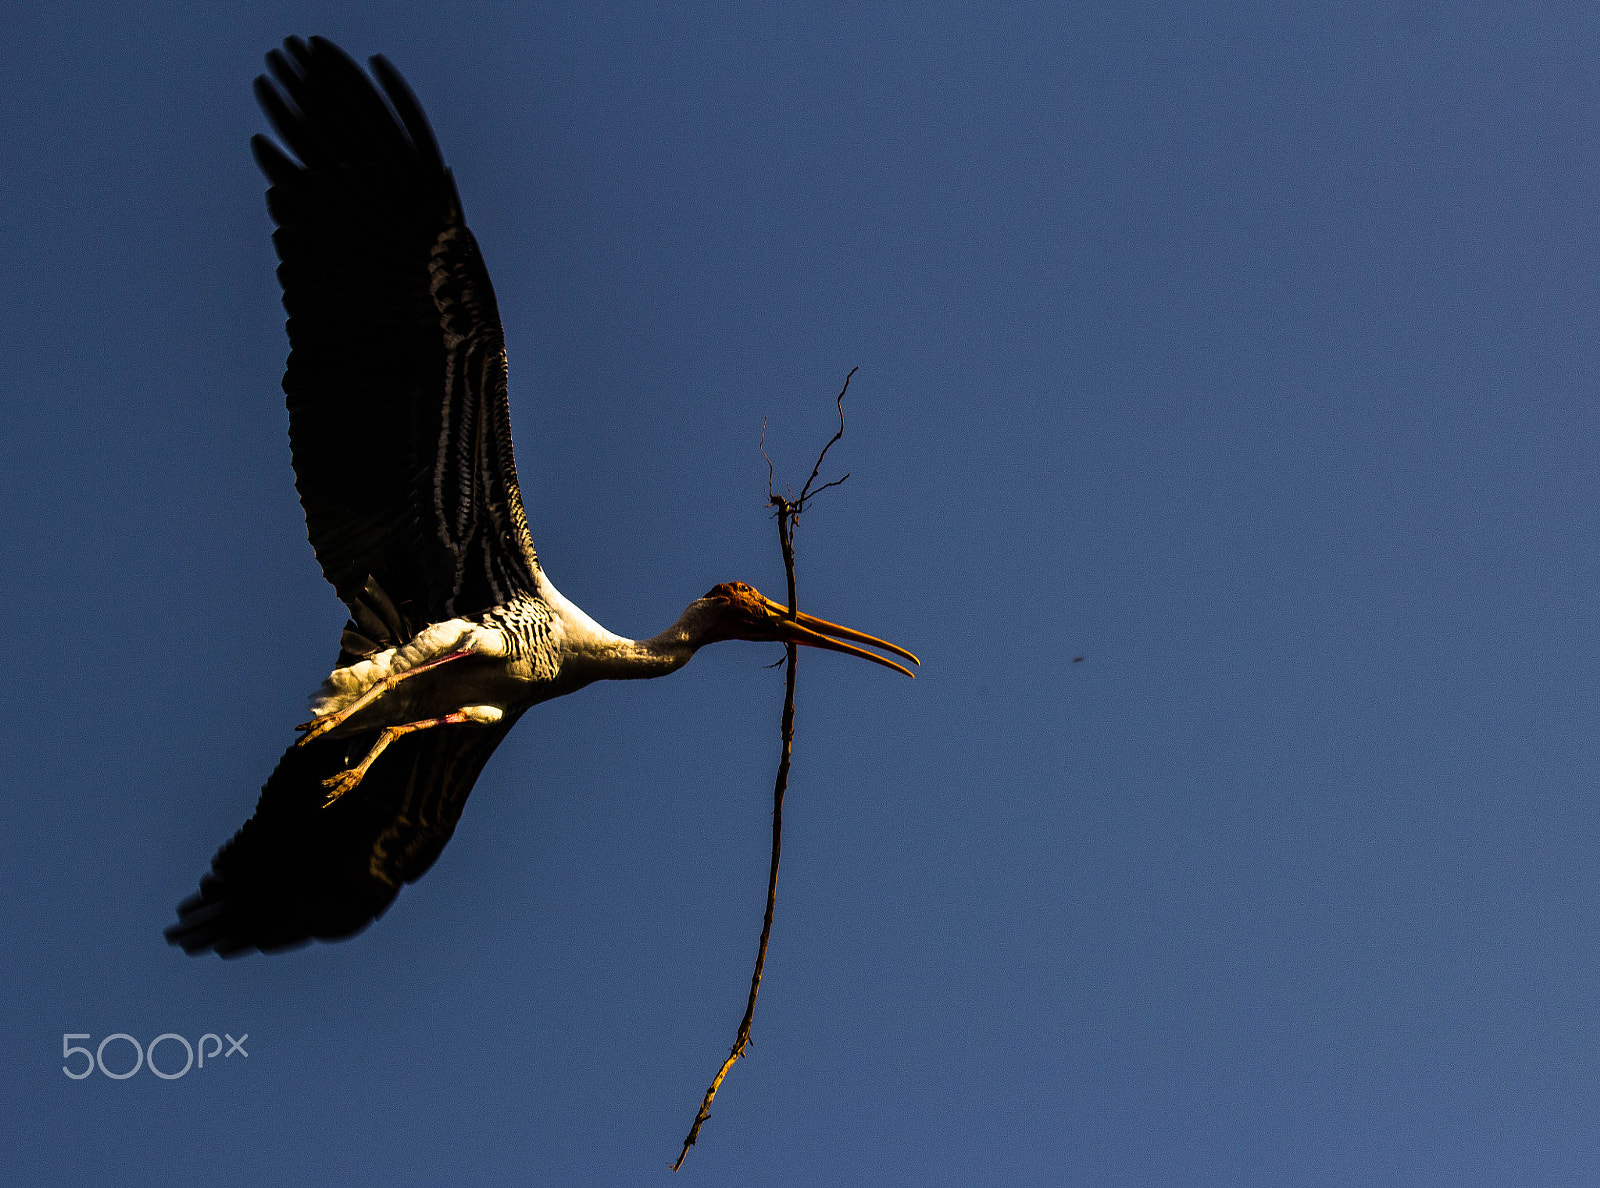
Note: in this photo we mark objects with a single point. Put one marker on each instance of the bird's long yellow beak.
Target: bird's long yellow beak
(819, 633)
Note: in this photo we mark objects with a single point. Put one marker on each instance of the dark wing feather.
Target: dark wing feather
(298, 871)
(396, 381)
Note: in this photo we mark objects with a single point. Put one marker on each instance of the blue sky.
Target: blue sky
(1249, 352)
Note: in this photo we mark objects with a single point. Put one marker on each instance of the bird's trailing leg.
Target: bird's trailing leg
(317, 727)
(346, 781)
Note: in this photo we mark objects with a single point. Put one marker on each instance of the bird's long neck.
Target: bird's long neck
(591, 653)
(634, 659)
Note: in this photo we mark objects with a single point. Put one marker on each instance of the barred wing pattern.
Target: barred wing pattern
(401, 439)
(396, 381)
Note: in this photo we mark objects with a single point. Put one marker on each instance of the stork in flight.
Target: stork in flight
(401, 439)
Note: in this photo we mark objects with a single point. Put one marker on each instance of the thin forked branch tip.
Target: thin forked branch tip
(788, 512)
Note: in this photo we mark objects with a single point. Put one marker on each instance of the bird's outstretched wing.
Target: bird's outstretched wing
(396, 381)
(298, 871)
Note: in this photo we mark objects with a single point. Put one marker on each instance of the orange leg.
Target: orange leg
(320, 726)
(347, 780)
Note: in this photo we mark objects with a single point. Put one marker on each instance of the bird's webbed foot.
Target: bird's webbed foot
(345, 781)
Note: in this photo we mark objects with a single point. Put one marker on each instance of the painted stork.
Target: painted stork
(401, 440)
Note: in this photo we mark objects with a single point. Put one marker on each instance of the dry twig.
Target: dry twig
(787, 514)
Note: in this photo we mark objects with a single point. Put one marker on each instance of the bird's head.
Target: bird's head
(738, 611)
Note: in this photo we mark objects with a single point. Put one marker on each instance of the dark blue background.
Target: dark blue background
(1249, 352)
